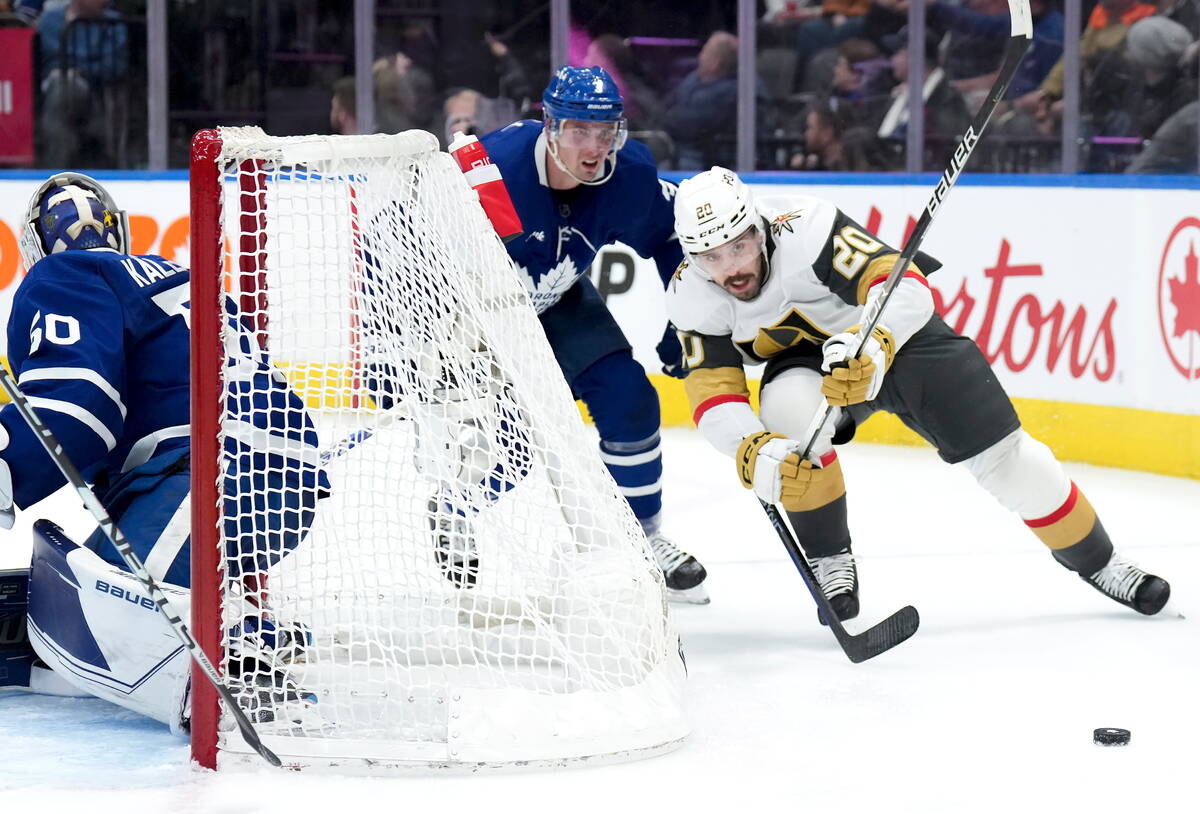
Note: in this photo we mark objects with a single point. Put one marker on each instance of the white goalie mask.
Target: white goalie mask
(712, 209)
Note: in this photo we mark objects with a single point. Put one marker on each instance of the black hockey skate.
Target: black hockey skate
(837, 575)
(683, 573)
(1131, 586)
(270, 696)
(453, 544)
(259, 655)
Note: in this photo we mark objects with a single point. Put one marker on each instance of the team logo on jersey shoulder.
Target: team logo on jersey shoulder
(782, 222)
(683, 264)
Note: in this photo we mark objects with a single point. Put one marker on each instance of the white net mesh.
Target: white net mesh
(471, 587)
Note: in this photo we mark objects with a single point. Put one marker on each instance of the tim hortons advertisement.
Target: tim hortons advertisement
(1078, 295)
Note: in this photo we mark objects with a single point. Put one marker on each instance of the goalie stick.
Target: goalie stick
(92, 503)
(903, 623)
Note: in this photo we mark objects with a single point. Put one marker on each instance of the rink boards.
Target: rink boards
(1086, 299)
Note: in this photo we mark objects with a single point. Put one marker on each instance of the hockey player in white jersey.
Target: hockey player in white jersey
(98, 340)
(784, 281)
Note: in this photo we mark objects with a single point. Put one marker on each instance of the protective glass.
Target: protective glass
(731, 256)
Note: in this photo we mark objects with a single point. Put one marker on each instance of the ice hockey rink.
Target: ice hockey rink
(989, 707)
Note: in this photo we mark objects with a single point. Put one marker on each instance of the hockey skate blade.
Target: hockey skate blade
(695, 595)
(885, 635)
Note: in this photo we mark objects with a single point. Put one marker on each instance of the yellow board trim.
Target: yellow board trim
(1122, 437)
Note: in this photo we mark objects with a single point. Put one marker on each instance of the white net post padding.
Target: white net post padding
(366, 270)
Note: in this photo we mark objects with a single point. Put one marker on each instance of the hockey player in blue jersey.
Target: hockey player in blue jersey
(578, 184)
(98, 340)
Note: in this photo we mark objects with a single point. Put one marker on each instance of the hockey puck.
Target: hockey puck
(1109, 736)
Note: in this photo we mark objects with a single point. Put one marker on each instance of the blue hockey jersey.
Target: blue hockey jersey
(563, 233)
(99, 343)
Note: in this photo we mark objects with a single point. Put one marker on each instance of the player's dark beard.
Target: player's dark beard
(751, 277)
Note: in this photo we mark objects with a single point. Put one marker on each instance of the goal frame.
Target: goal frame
(224, 264)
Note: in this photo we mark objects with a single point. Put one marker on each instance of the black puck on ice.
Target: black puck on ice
(1109, 736)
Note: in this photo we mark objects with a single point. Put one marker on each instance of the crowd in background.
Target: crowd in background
(831, 91)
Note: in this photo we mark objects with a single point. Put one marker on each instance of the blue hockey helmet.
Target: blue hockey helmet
(583, 94)
(587, 95)
(72, 211)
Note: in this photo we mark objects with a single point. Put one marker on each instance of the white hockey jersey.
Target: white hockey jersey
(821, 267)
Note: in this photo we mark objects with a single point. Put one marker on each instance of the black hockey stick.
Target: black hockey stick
(903, 623)
(56, 452)
(870, 643)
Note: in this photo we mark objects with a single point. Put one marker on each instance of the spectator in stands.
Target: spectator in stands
(404, 95)
(1042, 55)
(28, 10)
(701, 113)
(469, 111)
(80, 60)
(945, 112)
(512, 80)
(826, 26)
(343, 107)
(862, 83)
(1172, 150)
(826, 146)
(1107, 80)
(1155, 46)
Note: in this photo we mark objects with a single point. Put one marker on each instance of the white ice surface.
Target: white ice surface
(990, 707)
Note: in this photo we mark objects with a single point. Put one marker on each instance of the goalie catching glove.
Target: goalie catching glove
(853, 380)
(769, 463)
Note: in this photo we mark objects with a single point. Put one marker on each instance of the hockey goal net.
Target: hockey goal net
(406, 550)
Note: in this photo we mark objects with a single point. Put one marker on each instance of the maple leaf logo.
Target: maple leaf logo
(1185, 295)
(550, 287)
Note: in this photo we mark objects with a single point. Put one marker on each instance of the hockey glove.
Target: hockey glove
(858, 379)
(769, 463)
(670, 353)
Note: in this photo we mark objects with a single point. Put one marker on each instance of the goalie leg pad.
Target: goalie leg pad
(94, 625)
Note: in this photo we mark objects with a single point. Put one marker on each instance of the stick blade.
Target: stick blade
(893, 630)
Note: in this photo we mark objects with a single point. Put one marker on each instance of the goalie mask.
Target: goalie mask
(714, 210)
(584, 103)
(72, 211)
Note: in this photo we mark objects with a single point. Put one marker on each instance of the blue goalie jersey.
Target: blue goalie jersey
(99, 343)
(563, 231)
